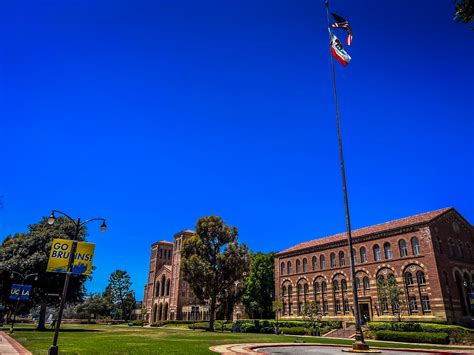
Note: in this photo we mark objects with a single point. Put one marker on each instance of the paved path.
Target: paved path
(8, 345)
(292, 348)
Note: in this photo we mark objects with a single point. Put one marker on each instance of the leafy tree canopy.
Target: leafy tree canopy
(213, 261)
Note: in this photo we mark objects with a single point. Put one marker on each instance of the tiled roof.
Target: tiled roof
(378, 228)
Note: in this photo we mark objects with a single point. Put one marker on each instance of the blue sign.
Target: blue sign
(471, 300)
(20, 292)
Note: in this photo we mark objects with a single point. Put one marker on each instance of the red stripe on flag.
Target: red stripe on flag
(340, 60)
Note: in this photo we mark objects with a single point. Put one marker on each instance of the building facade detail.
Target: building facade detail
(429, 256)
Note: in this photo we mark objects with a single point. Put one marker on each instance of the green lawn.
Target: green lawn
(102, 339)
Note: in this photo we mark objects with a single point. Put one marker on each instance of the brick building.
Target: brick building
(429, 256)
(167, 295)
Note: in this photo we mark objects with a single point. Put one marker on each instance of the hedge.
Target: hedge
(457, 334)
(139, 322)
(412, 337)
(293, 330)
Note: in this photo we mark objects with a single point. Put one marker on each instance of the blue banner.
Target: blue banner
(20, 292)
(471, 300)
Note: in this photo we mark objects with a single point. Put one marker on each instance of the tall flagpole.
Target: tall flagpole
(359, 343)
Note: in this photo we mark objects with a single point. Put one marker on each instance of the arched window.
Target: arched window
(363, 255)
(305, 265)
(341, 258)
(298, 266)
(354, 254)
(420, 278)
(305, 290)
(387, 250)
(366, 283)
(415, 245)
(461, 252)
(335, 285)
(157, 291)
(283, 291)
(322, 262)
(282, 269)
(288, 267)
(314, 262)
(343, 285)
(317, 288)
(402, 246)
(299, 290)
(324, 286)
(377, 256)
(357, 283)
(451, 251)
(332, 257)
(408, 278)
(290, 292)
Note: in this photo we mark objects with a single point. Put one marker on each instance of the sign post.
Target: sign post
(19, 293)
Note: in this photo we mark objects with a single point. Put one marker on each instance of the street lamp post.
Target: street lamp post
(53, 350)
(23, 278)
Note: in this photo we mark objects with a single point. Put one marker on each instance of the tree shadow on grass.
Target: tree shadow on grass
(67, 330)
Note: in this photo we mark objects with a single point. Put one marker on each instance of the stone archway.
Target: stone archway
(153, 313)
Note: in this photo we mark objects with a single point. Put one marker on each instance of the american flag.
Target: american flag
(341, 22)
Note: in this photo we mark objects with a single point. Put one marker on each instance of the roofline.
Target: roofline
(162, 242)
(387, 231)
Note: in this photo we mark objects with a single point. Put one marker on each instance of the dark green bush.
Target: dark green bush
(199, 325)
(412, 337)
(293, 330)
(139, 322)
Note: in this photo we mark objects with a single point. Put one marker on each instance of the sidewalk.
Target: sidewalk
(8, 345)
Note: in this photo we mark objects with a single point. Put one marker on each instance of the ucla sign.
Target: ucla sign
(60, 252)
(20, 292)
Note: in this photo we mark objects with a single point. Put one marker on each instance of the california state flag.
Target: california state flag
(338, 51)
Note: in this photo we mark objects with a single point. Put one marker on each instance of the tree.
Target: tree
(213, 261)
(28, 253)
(120, 293)
(464, 11)
(259, 286)
(95, 305)
(389, 292)
(313, 315)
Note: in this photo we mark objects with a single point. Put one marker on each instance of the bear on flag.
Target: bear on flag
(338, 51)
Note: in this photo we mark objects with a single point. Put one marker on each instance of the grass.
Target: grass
(103, 339)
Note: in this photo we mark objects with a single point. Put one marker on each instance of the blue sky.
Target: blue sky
(154, 113)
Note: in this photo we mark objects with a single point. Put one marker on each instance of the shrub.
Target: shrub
(412, 337)
(199, 325)
(139, 322)
(293, 330)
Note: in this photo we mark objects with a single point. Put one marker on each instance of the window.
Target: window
(283, 308)
(283, 291)
(415, 245)
(341, 258)
(450, 248)
(357, 283)
(408, 279)
(412, 303)
(335, 285)
(343, 285)
(354, 255)
(290, 308)
(461, 251)
(298, 265)
(290, 291)
(305, 265)
(438, 244)
(366, 283)
(317, 288)
(363, 255)
(387, 250)
(322, 262)
(332, 257)
(338, 306)
(384, 304)
(282, 269)
(402, 246)
(325, 306)
(425, 303)
(288, 267)
(377, 256)
(305, 290)
(346, 305)
(300, 307)
(324, 286)
(314, 262)
(420, 278)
